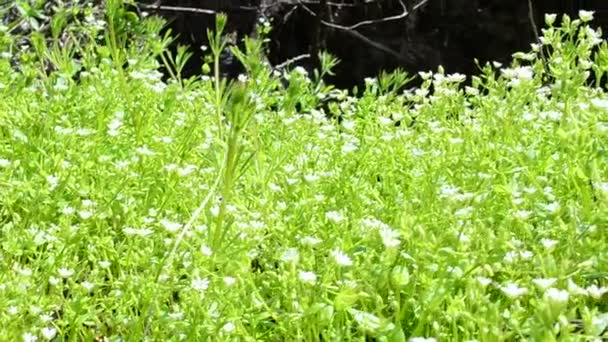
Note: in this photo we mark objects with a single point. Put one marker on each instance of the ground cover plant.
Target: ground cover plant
(134, 208)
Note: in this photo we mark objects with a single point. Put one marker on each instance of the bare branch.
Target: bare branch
(176, 9)
(291, 61)
(385, 19)
(354, 33)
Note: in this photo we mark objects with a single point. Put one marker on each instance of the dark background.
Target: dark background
(451, 33)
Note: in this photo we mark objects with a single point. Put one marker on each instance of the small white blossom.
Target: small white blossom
(85, 214)
(557, 296)
(552, 207)
(512, 290)
(576, 290)
(544, 283)
(550, 18)
(526, 255)
(104, 264)
(422, 339)
(65, 272)
(335, 216)
(87, 286)
(522, 214)
(390, 237)
(600, 103)
(170, 226)
(291, 256)
(53, 181)
(367, 320)
(176, 315)
(548, 243)
(586, 15)
(483, 281)
(4, 162)
(310, 241)
(596, 292)
(307, 277)
(206, 251)
(145, 151)
(229, 327)
(341, 258)
(54, 280)
(200, 284)
(229, 281)
(48, 333)
(29, 337)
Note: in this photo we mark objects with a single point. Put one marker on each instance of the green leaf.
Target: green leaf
(397, 334)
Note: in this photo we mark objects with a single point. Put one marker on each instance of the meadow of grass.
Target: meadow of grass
(136, 209)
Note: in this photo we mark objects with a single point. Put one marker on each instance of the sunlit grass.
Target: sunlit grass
(481, 215)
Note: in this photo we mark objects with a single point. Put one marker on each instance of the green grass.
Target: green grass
(135, 209)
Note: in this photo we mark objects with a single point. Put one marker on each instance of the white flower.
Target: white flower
(390, 237)
(447, 191)
(104, 264)
(586, 15)
(422, 339)
(311, 178)
(206, 251)
(527, 116)
(229, 281)
(85, 214)
(349, 146)
(512, 290)
(526, 255)
(544, 283)
(229, 327)
(548, 243)
(483, 281)
(550, 18)
(200, 284)
(12, 310)
(551, 115)
(53, 280)
(53, 181)
(291, 256)
(170, 226)
(576, 290)
(307, 277)
(370, 81)
(48, 333)
(557, 296)
(310, 241)
(65, 272)
(87, 286)
(456, 77)
(341, 258)
(176, 315)
(367, 320)
(463, 212)
(29, 337)
(552, 207)
(522, 214)
(600, 103)
(596, 292)
(510, 257)
(4, 162)
(335, 216)
(519, 73)
(145, 151)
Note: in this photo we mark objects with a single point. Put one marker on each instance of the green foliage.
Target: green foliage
(137, 209)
